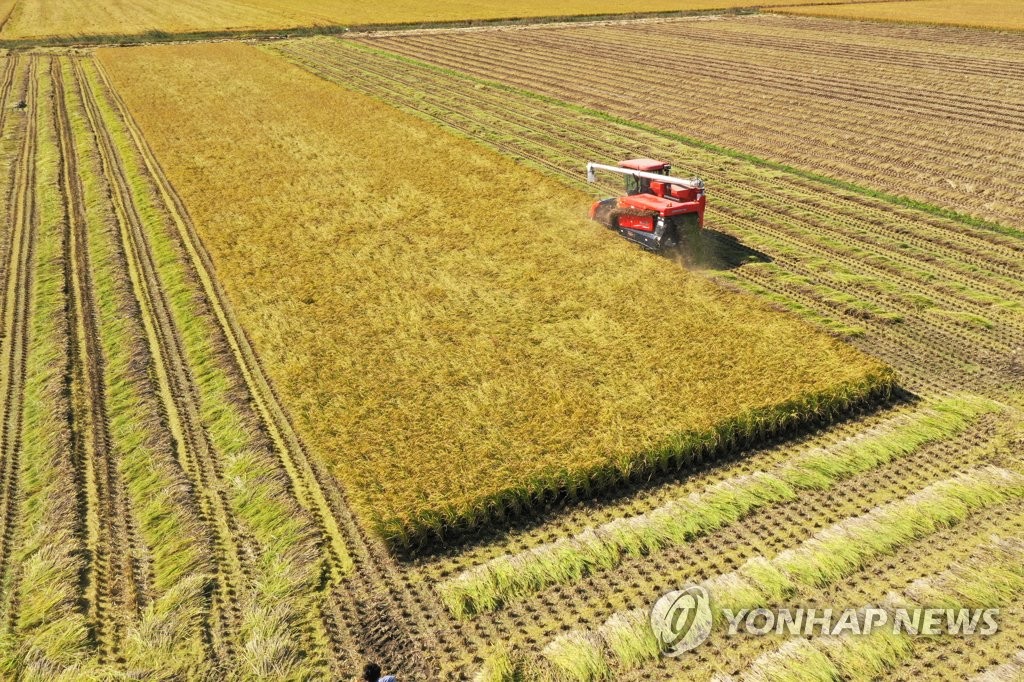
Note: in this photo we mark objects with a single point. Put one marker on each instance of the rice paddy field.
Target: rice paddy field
(927, 114)
(1007, 15)
(25, 21)
(309, 355)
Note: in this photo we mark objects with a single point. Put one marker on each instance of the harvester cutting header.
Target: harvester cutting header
(658, 211)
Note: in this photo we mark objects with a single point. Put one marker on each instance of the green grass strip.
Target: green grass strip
(894, 199)
(829, 556)
(507, 578)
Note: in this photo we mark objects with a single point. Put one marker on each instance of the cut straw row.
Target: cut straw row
(510, 577)
(626, 640)
(992, 577)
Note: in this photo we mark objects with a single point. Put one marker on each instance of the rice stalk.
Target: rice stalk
(795, 661)
(577, 657)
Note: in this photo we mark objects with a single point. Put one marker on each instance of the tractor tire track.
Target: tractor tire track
(17, 297)
(176, 390)
(10, 68)
(118, 581)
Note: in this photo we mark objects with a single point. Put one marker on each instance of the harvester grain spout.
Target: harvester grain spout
(658, 210)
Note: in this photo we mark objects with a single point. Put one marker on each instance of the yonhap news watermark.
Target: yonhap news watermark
(683, 619)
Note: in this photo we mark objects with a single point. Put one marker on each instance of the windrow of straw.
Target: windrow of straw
(626, 640)
(992, 577)
(514, 576)
(168, 635)
(478, 275)
(45, 631)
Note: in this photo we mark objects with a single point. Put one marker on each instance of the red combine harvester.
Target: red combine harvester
(658, 211)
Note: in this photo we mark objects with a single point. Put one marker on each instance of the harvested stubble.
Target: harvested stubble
(999, 14)
(925, 117)
(967, 584)
(510, 577)
(827, 557)
(568, 359)
(1010, 671)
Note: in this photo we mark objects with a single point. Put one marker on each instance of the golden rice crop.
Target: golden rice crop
(449, 331)
(75, 18)
(1001, 14)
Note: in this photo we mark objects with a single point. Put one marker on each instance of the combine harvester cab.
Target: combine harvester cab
(658, 210)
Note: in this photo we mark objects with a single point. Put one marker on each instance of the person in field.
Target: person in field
(371, 673)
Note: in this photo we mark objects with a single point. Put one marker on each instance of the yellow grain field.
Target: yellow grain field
(80, 18)
(447, 329)
(37, 19)
(1000, 14)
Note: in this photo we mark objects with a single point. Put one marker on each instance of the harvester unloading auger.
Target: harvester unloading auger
(658, 211)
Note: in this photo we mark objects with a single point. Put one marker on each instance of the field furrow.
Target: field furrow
(830, 555)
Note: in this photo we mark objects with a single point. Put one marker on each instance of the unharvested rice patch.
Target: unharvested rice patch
(448, 330)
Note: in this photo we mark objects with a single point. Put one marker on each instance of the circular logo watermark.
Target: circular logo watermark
(681, 619)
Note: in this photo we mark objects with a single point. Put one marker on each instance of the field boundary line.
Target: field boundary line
(897, 200)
